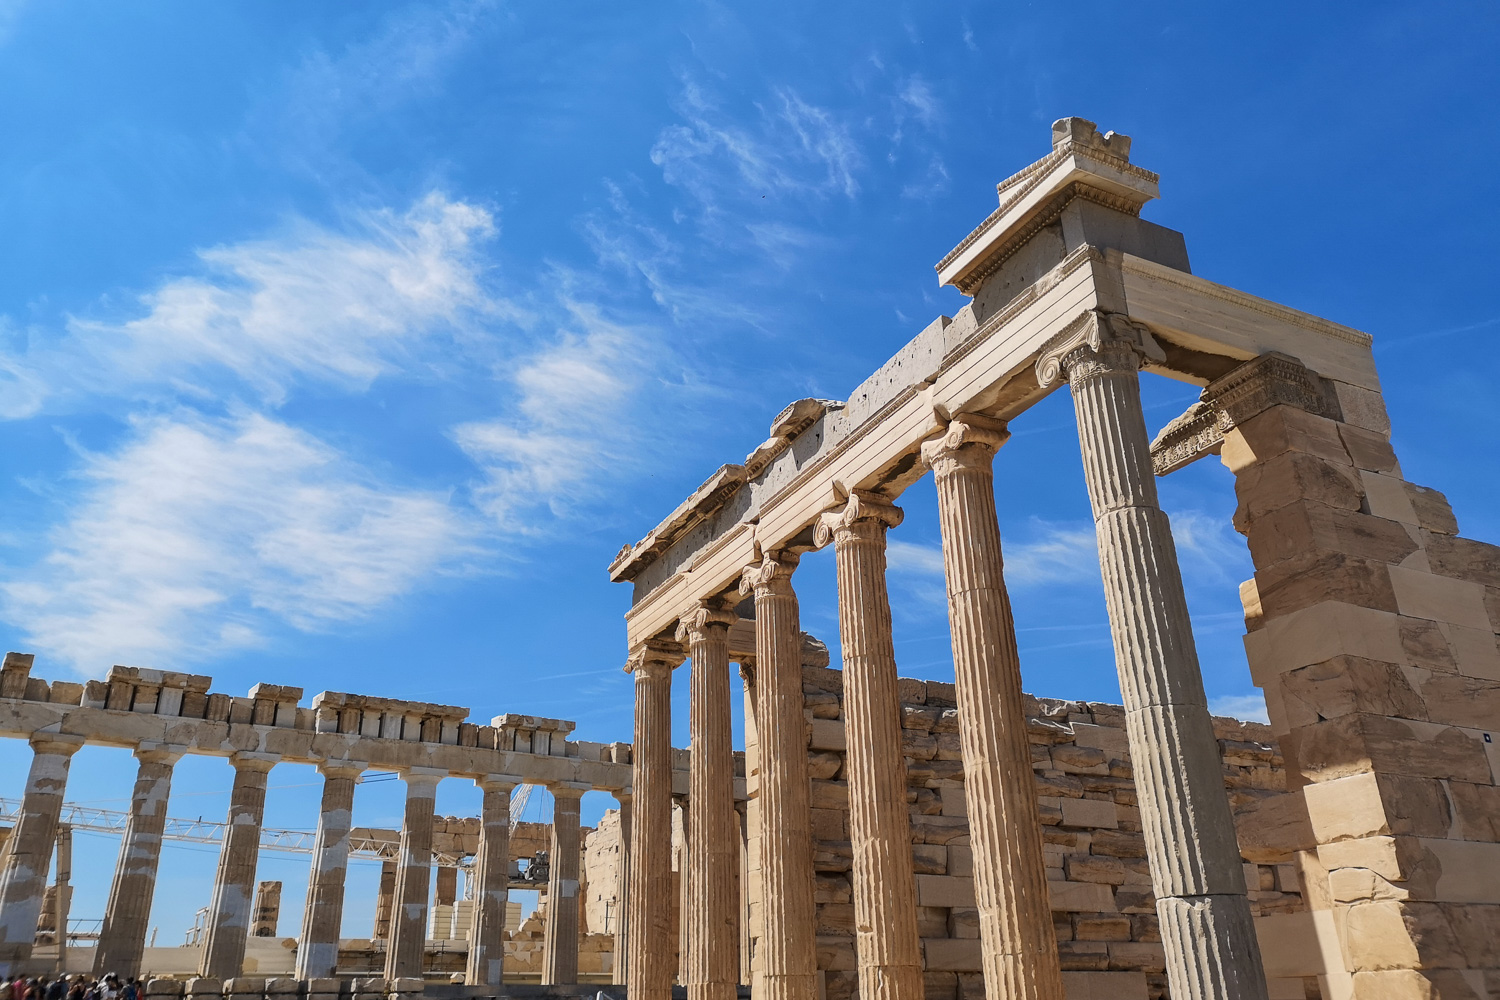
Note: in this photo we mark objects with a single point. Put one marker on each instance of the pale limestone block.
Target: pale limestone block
(828, 734)
(1387, 497)
(1362, 407)
(1470, 871)
(1090, 813)
(1475, 651)
(1107, 738)
(1081, 897)
(960, 860)
(1299, 944)
(1439, 598)
(1105, 985)
(952, 955)
(1346, 807)
(954, 802)
(1284, 989)
(944, 890)
(1320, 633)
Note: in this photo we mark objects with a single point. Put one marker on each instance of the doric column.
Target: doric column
(622, 890)
(486, 965)
(791, 969)
(229, 911)
(885, 906)
(403, 957)
(1018, 944)
(649, 972)
(713, 841)
(122, 940)
(323, 917)
(64, 898)
(27, 855)
(560, 943)
(1206, 928)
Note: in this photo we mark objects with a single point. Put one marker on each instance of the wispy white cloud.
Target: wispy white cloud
(1052, 554)
(1248, 707)
(314, 305)
(794, 147)
(571, 417)
(200, 536)
(916, 97)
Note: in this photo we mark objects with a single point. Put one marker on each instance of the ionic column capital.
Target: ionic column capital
(971, 439)
(772, 576)
(1094, 344)
(654, 658)
(865, 514)
(709, 616)
(255, 763)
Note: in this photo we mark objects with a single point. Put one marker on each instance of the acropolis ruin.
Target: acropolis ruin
(892, 838)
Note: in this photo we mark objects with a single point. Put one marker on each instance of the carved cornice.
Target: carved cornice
(1090, 333)
(862, 507)
(1254, 387)
(695, 625)
(790, 422)
(700, 505)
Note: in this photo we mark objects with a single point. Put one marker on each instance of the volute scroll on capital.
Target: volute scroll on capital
(1091, 339)
(966, 434)
(654, 657)
(771, 576)
(696, 624)
(861, 507)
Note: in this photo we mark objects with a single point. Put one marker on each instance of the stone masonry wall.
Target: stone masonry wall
(1103, 907)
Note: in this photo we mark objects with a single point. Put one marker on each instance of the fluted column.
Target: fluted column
(885, 906)
(486, 965)
(560, 943)
(230, 910)
(323, 917)
(403, 957)
(785, 811)
(27, 855)
(649, 975)
(713, 841)
(622, 890)
(1206, 927)
(1018, 944)
(122, 939)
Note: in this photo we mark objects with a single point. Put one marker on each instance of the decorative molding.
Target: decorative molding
(1223, 293)
(772, 576)
(1273, 379)
(789, 423)
(653, 655)
(1090, 332)
(699, 506)
(989, 433)
(861, 506)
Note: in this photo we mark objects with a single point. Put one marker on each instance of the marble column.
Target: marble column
(560, 931)
(791, 968)
(323, 916)
(122, 940)
(622, 891)
(403, 956)
(1019, 947)
(229, 911)
(1206, 926)
(486, 965)
(888, 948)
(649, 975)
(684, 878)
(27, 855)
(63, 900)
(713, 840)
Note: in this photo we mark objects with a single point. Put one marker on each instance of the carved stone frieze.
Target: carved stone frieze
(1251, 389)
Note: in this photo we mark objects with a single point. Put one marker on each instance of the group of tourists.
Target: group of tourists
(77, 987)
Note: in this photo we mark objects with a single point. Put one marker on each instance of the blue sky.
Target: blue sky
(344, 345)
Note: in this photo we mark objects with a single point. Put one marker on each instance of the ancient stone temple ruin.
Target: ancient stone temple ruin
(1371, 630)
(892, 838)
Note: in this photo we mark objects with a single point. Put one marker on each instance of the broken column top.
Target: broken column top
(163, 678)
(1083, 163)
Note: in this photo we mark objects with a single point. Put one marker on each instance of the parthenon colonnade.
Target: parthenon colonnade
(1069, 285)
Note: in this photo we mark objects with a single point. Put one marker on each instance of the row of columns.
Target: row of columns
(1207, 932)
(26, 859)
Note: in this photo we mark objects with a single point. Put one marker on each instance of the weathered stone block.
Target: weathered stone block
(1113, 927)
(1096, 813)
(836, 918)
(1106, 985)
(910, 691)
(1368, 450)
(160, 986)
(939, 985)
(1439, 598)
(1475, 651)
(961, 860)
(1079, 955)
(950, 955)
(836, 954)
(1144, 956)
(1081, 897)
(930, 859)
(1280, 430)
(932, 921)
(1346, 685)
(944, 890)
(942, 693)
(963, 922)
(1478, 810)
(1432, 509)
(830, 795)
(1318, 576)
(1301, 528)
(1355, 743)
